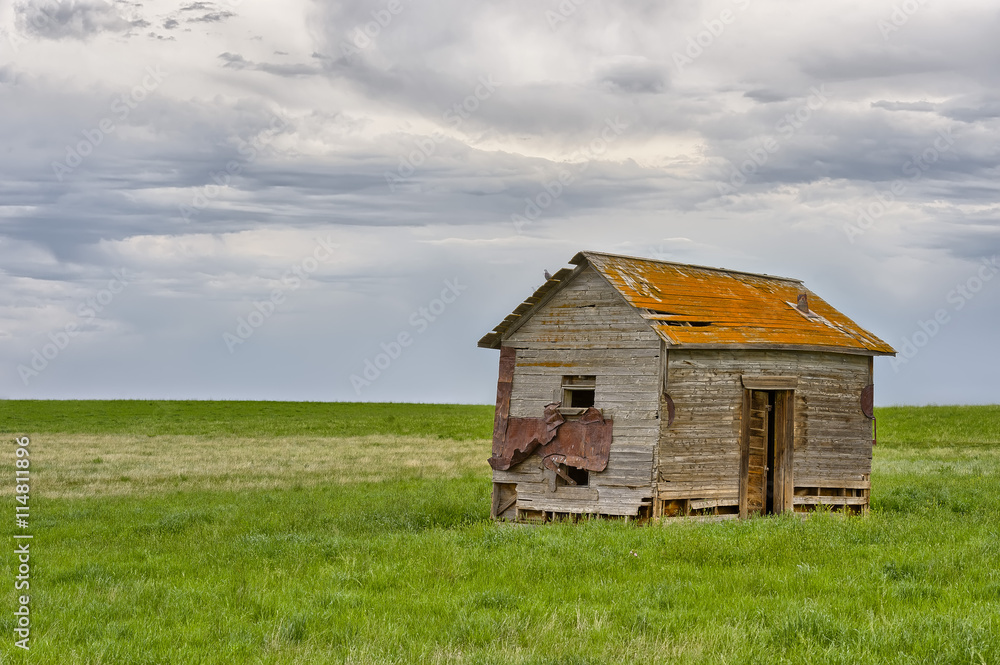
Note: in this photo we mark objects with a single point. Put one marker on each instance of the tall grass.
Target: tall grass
(898, 426)
(245, 419)
(407, 568)
(936, 426)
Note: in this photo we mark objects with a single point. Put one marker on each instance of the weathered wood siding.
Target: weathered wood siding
(699, 455)
(587, 328)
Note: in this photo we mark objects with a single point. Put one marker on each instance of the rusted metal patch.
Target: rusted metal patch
(583, 443)
(505, 387)
(671, 411)
(868, 408)
(524, 435)
(868, 401)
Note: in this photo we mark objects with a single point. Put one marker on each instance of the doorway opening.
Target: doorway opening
(766, 486)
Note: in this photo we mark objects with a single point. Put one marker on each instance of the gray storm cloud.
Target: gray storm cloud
(806, 140)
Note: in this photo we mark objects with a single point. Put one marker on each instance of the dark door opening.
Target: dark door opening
(769, 468)
(766, 452)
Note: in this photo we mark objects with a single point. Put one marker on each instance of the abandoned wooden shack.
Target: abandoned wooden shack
(649, 389)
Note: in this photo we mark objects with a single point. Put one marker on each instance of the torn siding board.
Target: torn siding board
(581, 500)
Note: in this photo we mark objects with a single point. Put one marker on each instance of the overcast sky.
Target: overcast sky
(247, 199)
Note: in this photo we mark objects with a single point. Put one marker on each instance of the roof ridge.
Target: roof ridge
(587, 253)
(730, 316)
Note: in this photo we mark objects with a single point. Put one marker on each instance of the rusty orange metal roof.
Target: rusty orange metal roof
(699, 307)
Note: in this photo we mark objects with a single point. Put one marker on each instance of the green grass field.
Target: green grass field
(207, 532)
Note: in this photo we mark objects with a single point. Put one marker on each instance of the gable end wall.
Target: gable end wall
(587, 328)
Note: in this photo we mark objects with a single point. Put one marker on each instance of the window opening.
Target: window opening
(579, 391)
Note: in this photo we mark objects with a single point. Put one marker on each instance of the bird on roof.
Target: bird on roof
(548, 276)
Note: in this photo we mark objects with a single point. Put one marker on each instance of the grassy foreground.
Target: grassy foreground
(311, 542)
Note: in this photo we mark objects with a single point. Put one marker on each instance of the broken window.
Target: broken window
(580, 476)
(564, 475)
(578, 391)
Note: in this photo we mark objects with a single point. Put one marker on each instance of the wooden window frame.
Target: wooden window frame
(576, 383)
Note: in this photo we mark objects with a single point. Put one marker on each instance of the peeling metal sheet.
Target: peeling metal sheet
(505, 387)
(583, 443)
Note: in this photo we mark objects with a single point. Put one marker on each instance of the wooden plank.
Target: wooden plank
(832, 484)
(700, 492)
(591, 314)
(757, 463)
(744, 455)
(785, 424)
(699, 518)
(565, 278)
(495, 504)
(830, 500)
(504, 497)
(700, 504)
(757, 382)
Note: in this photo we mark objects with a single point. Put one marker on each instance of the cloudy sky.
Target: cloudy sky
(245, 199)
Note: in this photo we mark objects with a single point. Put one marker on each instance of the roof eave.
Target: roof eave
(524, 311)
(778, 347)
